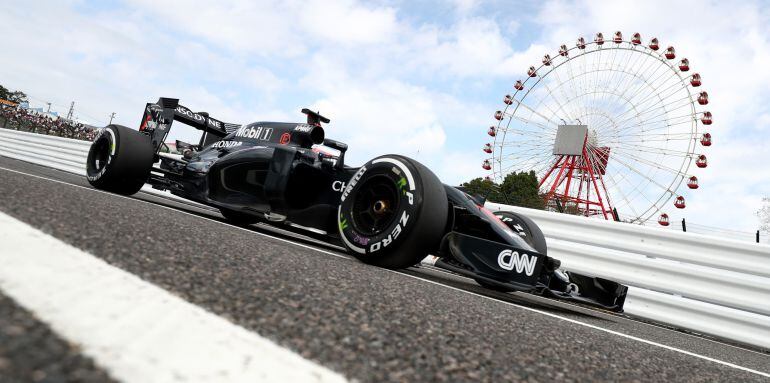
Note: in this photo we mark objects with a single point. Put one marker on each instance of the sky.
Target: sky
(419, 78)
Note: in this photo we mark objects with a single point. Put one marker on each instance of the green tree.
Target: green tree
(521, 189)
(518, 189)
(482, 187)
(14, 96)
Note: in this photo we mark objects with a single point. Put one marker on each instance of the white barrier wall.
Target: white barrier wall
(55, 152)
(706, 284)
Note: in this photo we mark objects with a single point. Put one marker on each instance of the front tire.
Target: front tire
(119, 160)
(526, 228)
(393, 212)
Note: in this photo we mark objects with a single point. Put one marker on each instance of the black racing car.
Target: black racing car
(390, 212)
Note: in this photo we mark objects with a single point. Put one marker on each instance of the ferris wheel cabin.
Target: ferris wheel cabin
(654, 45)
(695, 80)
(570, 136)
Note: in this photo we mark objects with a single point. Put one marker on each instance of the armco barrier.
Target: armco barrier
(696, 249)
(705, 284)
(701, 283)
(56, 152)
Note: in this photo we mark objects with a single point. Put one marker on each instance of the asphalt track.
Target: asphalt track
(366, 323)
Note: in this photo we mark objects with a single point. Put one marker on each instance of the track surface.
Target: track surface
(367, 323)
(30, 352)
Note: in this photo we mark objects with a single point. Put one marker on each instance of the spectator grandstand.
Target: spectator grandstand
(18, 118)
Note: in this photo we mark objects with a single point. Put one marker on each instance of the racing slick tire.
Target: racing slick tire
(528, 230)
(119, 160)
(393, 212)
(237, 218)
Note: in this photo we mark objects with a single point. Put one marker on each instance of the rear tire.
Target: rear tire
(119, 160)
(393, 212)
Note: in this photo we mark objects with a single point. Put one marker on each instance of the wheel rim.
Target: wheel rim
(100, 154)
(375, 206)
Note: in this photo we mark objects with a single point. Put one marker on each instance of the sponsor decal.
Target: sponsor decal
(148, 123)
(259, 132)
(519, 229)
(226, 144)
(360, 240)
(402, 186)
(198, 118)
(285, 138)
(393, 234)
(353, 181)
(189, 113)
(509, 260)
(304, 128)
(402, 183)
(343, 223)
(338, 186)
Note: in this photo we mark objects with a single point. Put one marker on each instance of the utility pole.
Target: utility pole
(72, 110)
(111, 117)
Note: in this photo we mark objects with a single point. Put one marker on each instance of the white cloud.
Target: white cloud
(389, 83)
(347, 22)
(382, 117)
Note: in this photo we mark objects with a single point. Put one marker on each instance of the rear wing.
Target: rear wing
(158, 117)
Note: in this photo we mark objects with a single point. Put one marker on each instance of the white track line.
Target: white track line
(570, 320)
(136, 331)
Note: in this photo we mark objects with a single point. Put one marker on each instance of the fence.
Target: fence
(701, 283)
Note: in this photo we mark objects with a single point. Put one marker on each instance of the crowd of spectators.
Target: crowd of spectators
(31, 121)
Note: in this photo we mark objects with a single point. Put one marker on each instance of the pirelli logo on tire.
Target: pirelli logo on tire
(353, 181)
(393, 234)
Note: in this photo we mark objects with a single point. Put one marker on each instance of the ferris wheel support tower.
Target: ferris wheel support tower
(578, 166)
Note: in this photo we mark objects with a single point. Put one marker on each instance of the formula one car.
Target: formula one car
(390, 212)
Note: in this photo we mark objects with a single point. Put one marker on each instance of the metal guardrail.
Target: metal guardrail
(56, 152)
(706, 284)
(696, 249)
(709, 285)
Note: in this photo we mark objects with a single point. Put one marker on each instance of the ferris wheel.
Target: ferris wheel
(610, 127)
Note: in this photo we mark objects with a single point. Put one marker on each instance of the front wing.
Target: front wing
(509, 268)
